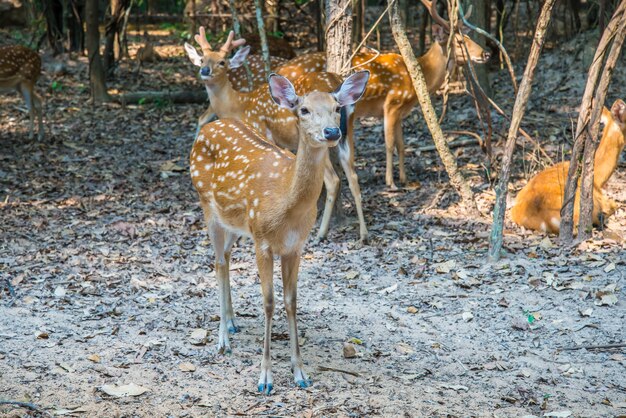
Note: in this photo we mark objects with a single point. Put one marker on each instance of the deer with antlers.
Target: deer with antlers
(276, 124)
(249, 186)
(238, 76)
(390, 94)
(20, 68)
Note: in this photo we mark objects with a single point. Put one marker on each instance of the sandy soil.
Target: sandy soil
(110, 272)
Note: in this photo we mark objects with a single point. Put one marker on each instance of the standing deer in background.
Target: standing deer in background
(257, 109)
(390, 94)
(20, 68)
(248, 186)
(538, 205)
(237, 75)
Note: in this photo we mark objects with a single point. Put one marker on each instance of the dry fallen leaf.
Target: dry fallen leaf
(94, 357)
(411, 309)
(60, 292)
(404, 348)
(558, 414)
(41, 335)
(187, 367)
(445, 267)
(467, 316)
(198, 336)
(586, 312)
(124, 390)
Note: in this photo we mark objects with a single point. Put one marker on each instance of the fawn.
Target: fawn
(538, 205)
(249, 186)
(275, 123)
(390, 94)
(20, 68)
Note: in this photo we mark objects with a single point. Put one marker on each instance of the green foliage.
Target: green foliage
(277, 34)
(301, 2)
(141, 101)
(56, 86)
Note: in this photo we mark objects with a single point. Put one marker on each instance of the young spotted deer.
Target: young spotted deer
(249, 186)
(238, 75)
(538, 205)
(276, 124)
(390, 94)
(20, 68)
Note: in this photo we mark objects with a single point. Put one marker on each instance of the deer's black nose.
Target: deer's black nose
(332, 134)
(205, 71)
(486, 56)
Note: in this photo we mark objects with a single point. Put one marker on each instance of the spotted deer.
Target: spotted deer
(20, 68)
(390, 94)
(238, 76)
(276, 124)
(538, 205)
(249, 186)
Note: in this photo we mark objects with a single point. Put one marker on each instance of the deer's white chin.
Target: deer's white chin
(206, 77)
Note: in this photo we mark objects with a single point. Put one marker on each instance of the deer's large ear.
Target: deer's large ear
(283, 92)
(352, 89)
(240, 56)
(618, 110)
(193, 55)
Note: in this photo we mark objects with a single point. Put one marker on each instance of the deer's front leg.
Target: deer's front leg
(265, 263)
(290, 265)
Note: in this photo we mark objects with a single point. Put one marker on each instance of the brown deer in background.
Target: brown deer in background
(20, 68)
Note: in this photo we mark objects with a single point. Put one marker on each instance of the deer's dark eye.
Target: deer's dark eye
(221, 63)
(304, 111)
(338, 109)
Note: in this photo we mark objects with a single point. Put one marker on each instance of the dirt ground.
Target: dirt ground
(106, 271)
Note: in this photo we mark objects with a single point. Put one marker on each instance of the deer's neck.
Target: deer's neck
(433, 64)
(607, 154)
(305, 177)
(225, 100)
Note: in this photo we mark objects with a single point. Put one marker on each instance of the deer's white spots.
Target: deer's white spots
(275, 163)
(543, 227)
(199, 158)
(255, 202)
(251, 213)
(195, 173)
(199, 184)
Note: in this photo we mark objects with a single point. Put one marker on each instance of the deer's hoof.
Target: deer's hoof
(265, 388)
(305, 383)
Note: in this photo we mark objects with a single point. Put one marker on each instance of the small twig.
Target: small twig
(594, 347)
(26, 405)
(332, 369)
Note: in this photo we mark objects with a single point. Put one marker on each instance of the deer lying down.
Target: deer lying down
(249, 186)
(538, 204)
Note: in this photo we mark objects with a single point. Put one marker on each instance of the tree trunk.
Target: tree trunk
(96, 70)
(318, 10)
(263, 37)
(585, 117)
(338, 42)
(521, 100)
(74, 22)
(585, 223)
(482, 16)
(419, 84)
(113, 28)
(272, 9)
(53, 10)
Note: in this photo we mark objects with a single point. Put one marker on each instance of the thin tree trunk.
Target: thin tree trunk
(521, 100)
(113, 26)
(263, 37)
(318, 10)
(482, 15)
(237, 30)
(74, 24)
(271, 8)
(96, 70)
(53, 11)
(419, 84)
(585, 223)
(566, 233)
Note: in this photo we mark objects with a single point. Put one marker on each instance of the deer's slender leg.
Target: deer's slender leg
(399, 138)
(346, 157)
(218, 239)
(289, 265)
(229, 240)
(265, 263)
(331, 181)
(389, 148)
(27, 94)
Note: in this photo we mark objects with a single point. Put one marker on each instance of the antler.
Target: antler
(231, 44)
(432, 9)
(201, 40)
